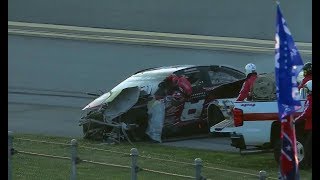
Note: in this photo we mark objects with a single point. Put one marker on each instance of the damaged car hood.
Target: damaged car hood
(126, 94)
(117, 102)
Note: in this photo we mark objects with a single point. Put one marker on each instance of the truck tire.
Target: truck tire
(300, 151)
(277, 150)
(308, 150)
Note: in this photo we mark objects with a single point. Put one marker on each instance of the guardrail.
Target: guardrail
(135, 168)
(149, 38)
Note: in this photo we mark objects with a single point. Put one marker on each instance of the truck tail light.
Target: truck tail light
(237, 117)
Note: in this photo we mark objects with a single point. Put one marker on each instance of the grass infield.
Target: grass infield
(48, 157)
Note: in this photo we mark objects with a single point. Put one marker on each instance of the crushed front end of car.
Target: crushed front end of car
(117, 115)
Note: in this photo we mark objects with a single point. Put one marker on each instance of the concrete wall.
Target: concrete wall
(234, 18)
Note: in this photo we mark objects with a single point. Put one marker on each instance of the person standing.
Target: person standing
(307, 74)
(245, 92)
(307, 116)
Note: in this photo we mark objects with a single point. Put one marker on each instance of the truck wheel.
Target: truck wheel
(300, 151)
(277, 150)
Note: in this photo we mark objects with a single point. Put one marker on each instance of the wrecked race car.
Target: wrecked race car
(124, 112)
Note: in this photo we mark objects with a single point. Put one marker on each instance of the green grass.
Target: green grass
(216, 165)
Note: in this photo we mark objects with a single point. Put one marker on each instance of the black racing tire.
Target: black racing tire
(96, 135)
(137, 134)
(85, 128)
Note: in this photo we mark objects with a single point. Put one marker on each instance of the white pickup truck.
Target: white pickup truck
(255, 126)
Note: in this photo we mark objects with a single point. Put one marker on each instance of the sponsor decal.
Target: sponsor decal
(248, 104)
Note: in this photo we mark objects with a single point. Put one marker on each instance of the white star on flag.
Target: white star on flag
(288, 148)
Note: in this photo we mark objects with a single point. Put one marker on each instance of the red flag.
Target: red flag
(288, 159)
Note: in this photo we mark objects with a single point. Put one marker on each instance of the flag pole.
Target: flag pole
(288, 102)
(293, 127)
